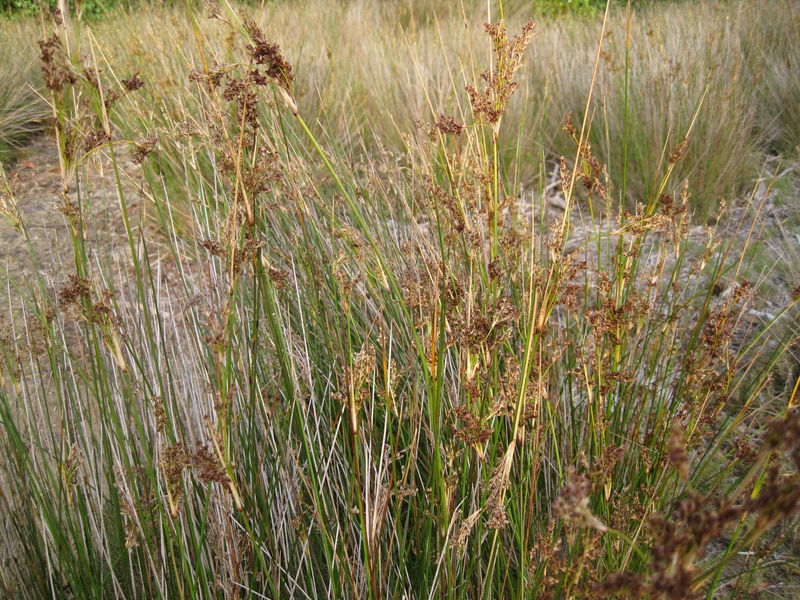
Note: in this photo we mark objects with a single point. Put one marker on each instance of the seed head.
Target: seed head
(679, 151)
(572, 502)
(492, 102)
(133, 83)
(269, 55)
(449, 126)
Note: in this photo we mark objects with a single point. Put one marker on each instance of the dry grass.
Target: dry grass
(720, 65)
(22, 111)
(392, 70)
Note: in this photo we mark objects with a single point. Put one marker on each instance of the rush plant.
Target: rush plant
(404, 376)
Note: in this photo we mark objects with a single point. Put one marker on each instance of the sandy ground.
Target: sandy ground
(36, 183)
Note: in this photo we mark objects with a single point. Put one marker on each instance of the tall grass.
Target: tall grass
(724, 59)
(383, 374)
(22, 111)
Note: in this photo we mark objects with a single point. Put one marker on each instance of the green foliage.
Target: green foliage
(95, 8)
(583, 7)
(87, 8)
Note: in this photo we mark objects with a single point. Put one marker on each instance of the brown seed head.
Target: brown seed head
(269, 55)
(679, 151)
(572, 501)
(449, 126)
(133, 83)
(676, 450)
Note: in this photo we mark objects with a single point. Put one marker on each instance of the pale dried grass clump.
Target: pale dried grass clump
(23, 113)
(725, 68)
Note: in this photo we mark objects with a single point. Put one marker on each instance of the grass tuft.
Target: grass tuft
(411, 351)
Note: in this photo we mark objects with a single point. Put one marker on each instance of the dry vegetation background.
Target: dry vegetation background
(402, 306)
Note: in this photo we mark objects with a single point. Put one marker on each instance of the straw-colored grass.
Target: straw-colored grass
(683, 66)
(22, 110)
(364, 88)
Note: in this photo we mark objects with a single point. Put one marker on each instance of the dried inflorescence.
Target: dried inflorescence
(612, 320)
(676, 450)
(56, 67)
(214, 247)
(8, 202)
(132, 83)
(69, 471)
(269, 55)
(278, 277)
(143, 149)
(494, 507)
(213, 76)
(449, 126)
(137, 510)
(175, 458)
(160, 414)
(74, 290)
(556, 568)
(714, 350)
(207, 466)
(784, 434)
(76, 294)
(487, 330)
(683, 537)
(258, 177)
(473, 430)
(604, 465)
(251, 166)
(505, 402)
(426, 286)
(267, 64)
(94, 139)
(79, 125)
(572, 501)
(91, 75)
(363, 367)
(460, 535)
(97, 308)
(241, 255)
(568, 125)
(677, 542)
(679, 151)
(677, 214)
(592, 172)
(355, 382)
(245, 253)
(242, 92)
(492, 102)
